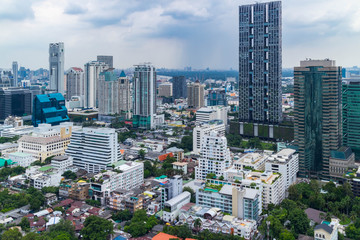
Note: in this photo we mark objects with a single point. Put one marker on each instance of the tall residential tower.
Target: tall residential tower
(260, 63)
(56, 62)
(144, 99)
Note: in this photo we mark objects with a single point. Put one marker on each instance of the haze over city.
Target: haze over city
(170, 34)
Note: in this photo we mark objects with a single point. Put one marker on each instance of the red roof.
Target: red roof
(164, 236)
(164, 156)
(64, 203)
(94, 210)
(77, 204)
(77, 69)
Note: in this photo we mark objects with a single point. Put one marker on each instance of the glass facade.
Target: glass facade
(317, 113)
(144, 96)
(351, 115)
(216, 97)
(49, 108)
(14, 102)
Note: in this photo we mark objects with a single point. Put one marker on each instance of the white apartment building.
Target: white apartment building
(209, 113)
(255, 161)
(46, 140)
(127, 176)
(93, 149)
(92, 71)
(214, 156)
(172, 206)
(74, 83)
(22, 159)
(62, 162)
(45, 176)
(204, 129)
(285, 162)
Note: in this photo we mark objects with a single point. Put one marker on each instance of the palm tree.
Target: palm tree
(197, 225)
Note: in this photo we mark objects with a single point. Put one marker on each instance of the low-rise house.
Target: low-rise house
(50, 198)
(180, 166)
(327, 231)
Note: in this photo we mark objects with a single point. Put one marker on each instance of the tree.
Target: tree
(65, 229)
(191, 191)
(96, 228)
(122, 215)
(69, 175)
(299, 220)
(197, 225)
(221, 178)
(6, 164)
(11, 234)
(286, 235)
(24, 224)
(142, 154)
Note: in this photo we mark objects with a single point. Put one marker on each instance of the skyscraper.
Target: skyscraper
(179, 87)
(144, 93)
(74, 82)
(260, 63)
(14, 102)
(115, 94)
(92, 72)
(106, 59)
(195, 94)
(56, 62)
(15, 69)
(351, 115)
(317, 114)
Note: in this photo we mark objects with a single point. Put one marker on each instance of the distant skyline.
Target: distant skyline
(169, 33)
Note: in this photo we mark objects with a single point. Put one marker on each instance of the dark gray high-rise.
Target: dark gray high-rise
(179, 87)
(260, 63)
(14, 102)
(106, 59)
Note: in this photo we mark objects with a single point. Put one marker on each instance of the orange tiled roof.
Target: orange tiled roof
(164, 236)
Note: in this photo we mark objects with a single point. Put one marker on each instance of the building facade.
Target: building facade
(144, 96)
(49, 108)
(115, 94)
(285, 162)
(92, 72)
(15, 69)
(195, 94)
(214, 156)
(46, 141)
(216, 97)
(165, 90)
(14, 102)
(56, 62)
(204, 129)
(317, 115)
(108, 60)
(171, 188)
(74, 82)
(210, 113)
(179, 87)
(351, 115)
(260, 62)
(93, 149)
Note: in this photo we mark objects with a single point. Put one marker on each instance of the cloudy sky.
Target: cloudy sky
(169, 33)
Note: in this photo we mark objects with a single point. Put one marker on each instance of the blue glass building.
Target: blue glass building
(49, 108)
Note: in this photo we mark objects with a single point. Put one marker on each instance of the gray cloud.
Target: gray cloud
(16, 10)
(74, 9)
